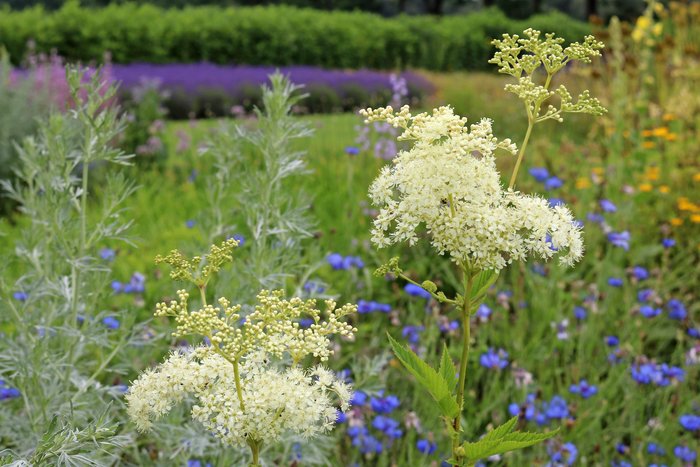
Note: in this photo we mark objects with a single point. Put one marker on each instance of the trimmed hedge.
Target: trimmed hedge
(268, 36)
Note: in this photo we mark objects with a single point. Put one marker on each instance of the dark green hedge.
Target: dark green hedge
(268, 36)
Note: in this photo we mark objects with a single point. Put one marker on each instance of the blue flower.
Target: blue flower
(676, 309)
(668, 242)
(425, 447)
(111, 322)
(335, 260)
(684, 453)
(621, 463)
(189, 223)
(483, 311)
(557, 408)
(580, 313)
(595, 218)
(412, 333)
(197, 463)
(622, 448)
(340, 417)
(364, 306)
(552, 183)
(416, 291)
(607, 205)
(20, 296)
(240, 239)
(644, 295)
(350, 261)
(305, 323)
(313, 287)
(116, 286)
(615, 282)
(539, 173)
(352, 150)
(620, 239)
(694, 332)
(388, 426)
(584, 389)
(649, 311)
(554, 202)
(612, 341)
(107, 254)
(384, 405)
(358, 398)
(450, 326)
(338, 262)
(564, 455)
(640, 273)
(660, 375)
(690, 422)
(494, 360)
(653, 448)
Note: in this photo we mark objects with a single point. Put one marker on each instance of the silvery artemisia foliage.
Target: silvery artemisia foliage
(254, 165)
(447, 182)
(56, 350)
(269, 398)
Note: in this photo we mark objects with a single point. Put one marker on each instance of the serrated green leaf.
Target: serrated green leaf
(427, 377)
(501, 431)
(447, 369)
(509, 442)
(482, 282)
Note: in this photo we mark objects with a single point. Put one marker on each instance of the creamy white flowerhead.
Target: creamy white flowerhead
(294, 400)
(447, 185)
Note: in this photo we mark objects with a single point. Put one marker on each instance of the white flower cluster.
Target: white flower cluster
(448, 182)
(277, 401)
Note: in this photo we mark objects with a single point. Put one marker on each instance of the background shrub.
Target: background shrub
(272, 35)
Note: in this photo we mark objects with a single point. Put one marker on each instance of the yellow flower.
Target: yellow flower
(664, 189)
(582, 182)
(648, 145)
(643, 22)
(668, 117)
(671, 137)
(660, 132)
(658, 29)
(652, 173)
(696, 177)
(647, 133)
(676, 221)
(598, 171)
(646, 187)
(695, 218)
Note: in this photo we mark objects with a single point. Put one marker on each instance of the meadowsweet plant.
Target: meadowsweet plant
(446, 188)
(247, 378)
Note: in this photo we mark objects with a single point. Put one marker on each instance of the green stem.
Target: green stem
(466, 336)
(255, 451)
(239, 390)
(521, 153)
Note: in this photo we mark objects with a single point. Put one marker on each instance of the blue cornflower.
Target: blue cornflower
(189, 223)
(684, 453)
(649, 311)
(314, 287)
(644, 295)
(412, 333)
(563, 455)
(388, 426)
(539, 173)
(620, 239)
(653, 448)
(494, 360)
(622, 448)
(416, 291)
(340, 417)
(364, 306)
(20, 296)
(694, 332)
(352, 150)
(584, 389)
(9, 393)
(108, 254)
(336, 261)
(358, 398)
(240, 239)
(483, 312)
(425, 447)
(607, 205)
(350, 261)
(557, 408)
(595, 218)
(612, 341)
(640, 273)
(615, 282)
(690, 422)
(197, 463)
(580, 313)
(111, 322)
(676, 309)
(384, 405)
(668, 242)
(552, 183)
(305, 323)
(450, 326)
(621, 463)
(116, 286)
(554, 202)
(137, 284)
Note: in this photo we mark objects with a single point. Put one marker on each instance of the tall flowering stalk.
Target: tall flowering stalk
(447, 182)
(247, 377)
